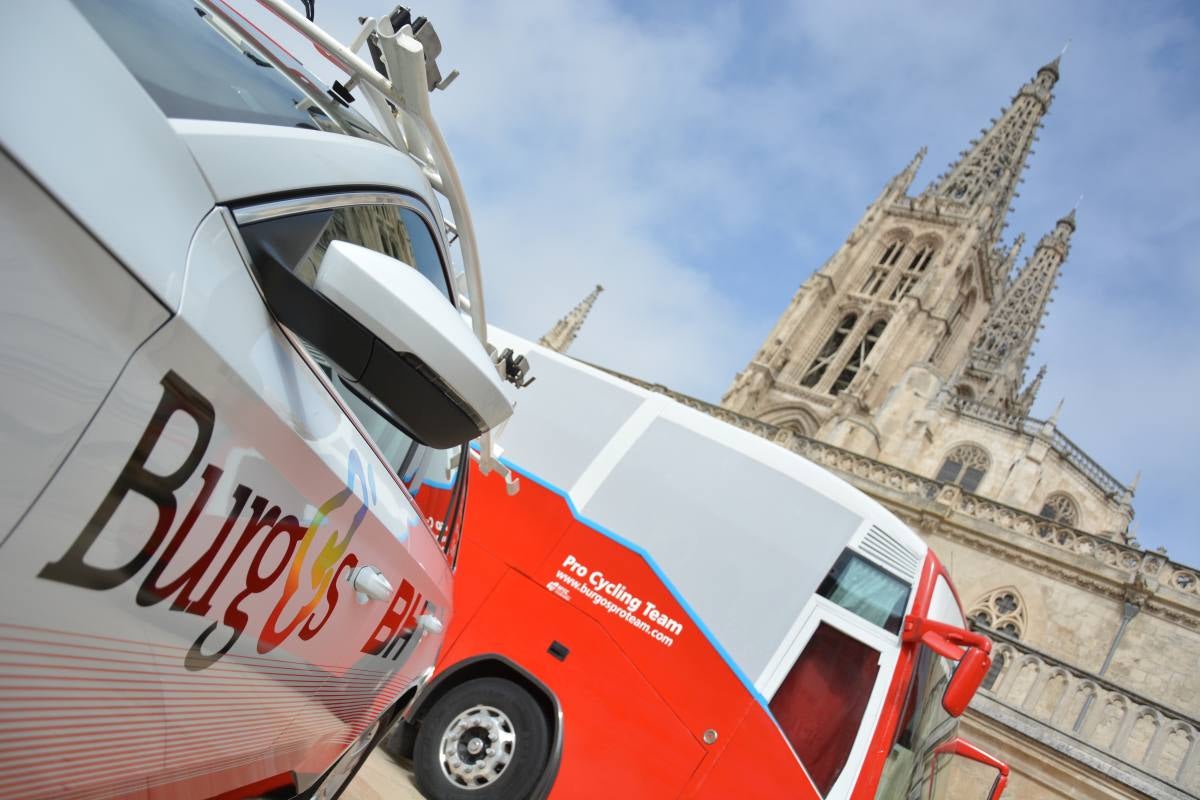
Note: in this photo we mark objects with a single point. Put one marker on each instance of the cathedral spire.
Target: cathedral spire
(1005, 265)
(1028, 395)
(563, 333)
(986, 175)
(905, 177)
(1006, 336)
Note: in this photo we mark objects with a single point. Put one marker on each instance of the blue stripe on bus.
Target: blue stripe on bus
(712, 639)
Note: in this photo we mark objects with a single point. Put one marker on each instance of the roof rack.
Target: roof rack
(397, 85)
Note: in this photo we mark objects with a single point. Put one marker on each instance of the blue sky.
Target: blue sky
(701, 160)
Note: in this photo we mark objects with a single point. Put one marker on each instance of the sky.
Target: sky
(701, 160)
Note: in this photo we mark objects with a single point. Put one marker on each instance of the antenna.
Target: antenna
(1077, 202)
(1063, 52)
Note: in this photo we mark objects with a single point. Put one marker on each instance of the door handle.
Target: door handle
(370, 584)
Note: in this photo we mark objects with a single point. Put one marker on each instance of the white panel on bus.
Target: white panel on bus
(565, 418)
(944, 606)
(746, 544)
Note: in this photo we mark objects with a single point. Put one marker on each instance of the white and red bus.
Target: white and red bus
(673, 607)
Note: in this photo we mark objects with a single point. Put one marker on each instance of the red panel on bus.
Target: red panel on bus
(756, 762)
(618, 588)
(517, 529)
(611, 715)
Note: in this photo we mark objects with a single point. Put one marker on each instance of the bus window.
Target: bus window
(820, 704)
(923, 724)
(864, 589)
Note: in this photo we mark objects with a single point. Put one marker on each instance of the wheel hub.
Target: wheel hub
(477, 746)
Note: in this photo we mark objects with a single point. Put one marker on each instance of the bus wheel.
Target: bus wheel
(484, 739)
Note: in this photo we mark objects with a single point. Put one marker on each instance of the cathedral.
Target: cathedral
(902, 364)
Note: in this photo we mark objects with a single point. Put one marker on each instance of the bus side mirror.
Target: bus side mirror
(971, 650)
(970, 754)
(972, 668)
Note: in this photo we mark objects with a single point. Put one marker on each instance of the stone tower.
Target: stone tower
(566, 329)
(912, 285)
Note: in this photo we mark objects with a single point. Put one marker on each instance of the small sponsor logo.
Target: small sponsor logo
(559, 590)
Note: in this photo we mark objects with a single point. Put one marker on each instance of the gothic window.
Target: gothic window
(883, 267)
(1001, 610)
(1060, 508)
(821, 363)
(965, 466)
(923, 253)
(857, 357)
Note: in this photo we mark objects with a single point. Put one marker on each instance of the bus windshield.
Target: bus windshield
(202, 61)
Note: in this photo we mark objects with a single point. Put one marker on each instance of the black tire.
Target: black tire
(529, 754)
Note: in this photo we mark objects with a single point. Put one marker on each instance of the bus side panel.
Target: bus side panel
(498, 531)
(619, 738)
(621, 591)
(517, 529)
(476, 570)
(475, 578)
(756, 762)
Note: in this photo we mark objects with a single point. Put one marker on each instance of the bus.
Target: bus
(674, 607)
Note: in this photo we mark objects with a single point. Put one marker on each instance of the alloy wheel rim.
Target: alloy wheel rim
(477, 746)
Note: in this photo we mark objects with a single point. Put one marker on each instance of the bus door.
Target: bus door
(826, 686)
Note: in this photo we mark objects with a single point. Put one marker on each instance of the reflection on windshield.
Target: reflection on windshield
(953, 777)
(923, 725)
(198, 62)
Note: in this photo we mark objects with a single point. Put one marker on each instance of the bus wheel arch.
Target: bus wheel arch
(403, 741)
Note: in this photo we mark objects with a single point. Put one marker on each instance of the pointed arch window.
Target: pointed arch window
(915, 269)
(857, 357)
(1061, 508)
(883, 267)
(1001, 610)
(821, 363)
(965, 466)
